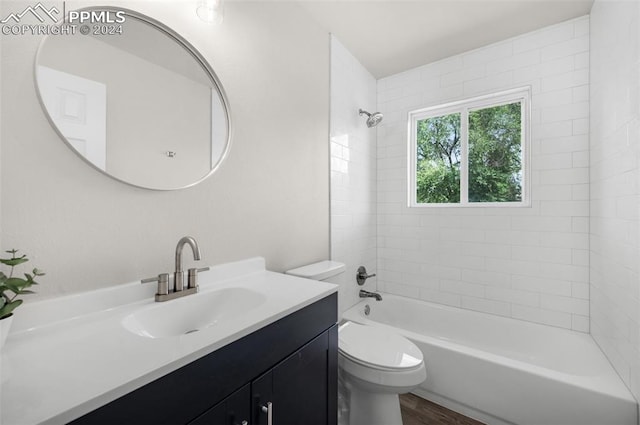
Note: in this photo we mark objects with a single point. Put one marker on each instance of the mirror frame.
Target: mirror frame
(173, 35)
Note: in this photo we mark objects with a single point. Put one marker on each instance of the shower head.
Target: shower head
(372, 119)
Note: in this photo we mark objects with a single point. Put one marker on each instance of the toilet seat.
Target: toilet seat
(377, 348)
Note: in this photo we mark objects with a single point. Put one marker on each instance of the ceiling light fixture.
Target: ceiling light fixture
(210, 11)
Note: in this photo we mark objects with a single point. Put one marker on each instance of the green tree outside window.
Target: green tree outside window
(494, 156)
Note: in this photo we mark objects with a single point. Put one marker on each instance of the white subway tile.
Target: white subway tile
(580, 126)
(443, 95)
(580, 323)
(544, 37)
(580, 224)
(553, 98)
(565, 176)
(541, 285)
(542, 224)
(553, 192)
(568, 79)
(486, 306)
(402, 290)
(441, 67)
(487, 54)
(565, 48)
(541, 254)
(580, 257)
(564, 304)
(557, 66)
(580, 192)
(565, 208)
(538, 315)
(514, 296)
(498, 260)
(565, 144)
(565, 240)
(581, 93)
(565, 112)
(462, 235)
(552, 130)
(489, 278)
(557, 161)
(488, 84)
(581, 60)
(580, 290)
(421, 280)
(462, 288)
(519, 60)
(466, 74)
(446, 298)
(581, 27)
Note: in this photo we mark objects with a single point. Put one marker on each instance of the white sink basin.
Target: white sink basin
(192, 313)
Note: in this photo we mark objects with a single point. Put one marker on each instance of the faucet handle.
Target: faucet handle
(362, 275)
(163, 283)
(192, 276)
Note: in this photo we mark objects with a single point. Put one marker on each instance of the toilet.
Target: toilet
(375, 365)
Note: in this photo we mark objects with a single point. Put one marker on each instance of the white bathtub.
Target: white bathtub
(505, 371)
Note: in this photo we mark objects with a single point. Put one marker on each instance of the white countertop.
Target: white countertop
(54, 372)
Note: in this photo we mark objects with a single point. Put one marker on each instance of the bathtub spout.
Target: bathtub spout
(367, 294)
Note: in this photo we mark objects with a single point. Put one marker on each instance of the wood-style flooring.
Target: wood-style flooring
(418, 411)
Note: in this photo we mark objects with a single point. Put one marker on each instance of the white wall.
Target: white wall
(525, 263)
(270, 197)
(353, 172)
(615, 185)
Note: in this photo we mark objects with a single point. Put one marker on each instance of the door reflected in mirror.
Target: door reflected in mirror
(142, 106)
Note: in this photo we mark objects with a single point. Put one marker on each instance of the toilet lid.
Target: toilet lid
(377, 347)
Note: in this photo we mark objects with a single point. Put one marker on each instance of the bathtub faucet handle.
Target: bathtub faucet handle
(362, 275)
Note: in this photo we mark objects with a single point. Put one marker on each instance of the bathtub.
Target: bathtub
(505, 371)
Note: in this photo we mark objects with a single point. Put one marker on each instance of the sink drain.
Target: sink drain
(191, 331)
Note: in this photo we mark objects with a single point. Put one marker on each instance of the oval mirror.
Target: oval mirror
(136, 101)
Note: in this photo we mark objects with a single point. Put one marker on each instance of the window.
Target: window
(471, 153)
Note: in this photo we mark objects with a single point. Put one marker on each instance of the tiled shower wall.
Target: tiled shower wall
(353, 172)
(526, 263)
(615, 185)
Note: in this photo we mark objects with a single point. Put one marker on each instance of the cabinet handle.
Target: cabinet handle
(268, 409)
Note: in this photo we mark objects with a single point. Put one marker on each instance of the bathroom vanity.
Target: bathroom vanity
(268, 351)
(290, 364)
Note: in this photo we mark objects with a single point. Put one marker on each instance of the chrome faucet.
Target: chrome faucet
(367, 294)
(163, 293)
(178, 275)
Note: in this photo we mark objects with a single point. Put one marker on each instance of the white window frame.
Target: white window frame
(463, 107)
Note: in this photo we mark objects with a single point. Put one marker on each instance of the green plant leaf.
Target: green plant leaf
(14, 261)
(7, 309)
(16, 284)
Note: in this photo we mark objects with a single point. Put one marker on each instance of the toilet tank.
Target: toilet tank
(318, 271)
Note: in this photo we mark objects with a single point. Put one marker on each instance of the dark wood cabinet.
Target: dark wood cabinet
(297, 388)
(291, 363)
(233, 410)
(296, 391)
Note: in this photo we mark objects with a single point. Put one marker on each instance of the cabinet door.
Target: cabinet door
(297, 388)
(233, 410)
